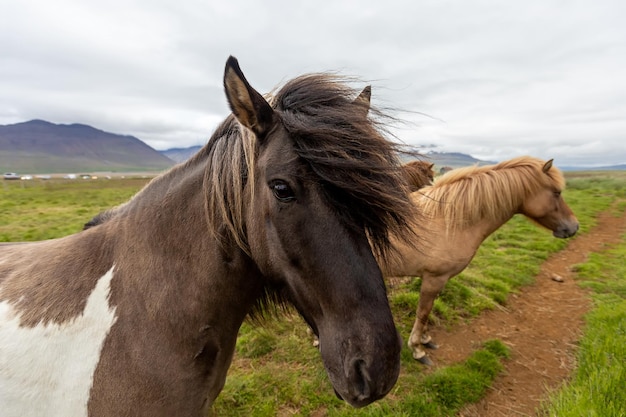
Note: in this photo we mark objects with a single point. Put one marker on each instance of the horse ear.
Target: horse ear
(248, 106)
(547, 166)
(364, 98)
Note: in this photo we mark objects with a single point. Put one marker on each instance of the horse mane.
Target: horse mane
(464, 195)
(347, 145)
(344, 144)
(231, 152)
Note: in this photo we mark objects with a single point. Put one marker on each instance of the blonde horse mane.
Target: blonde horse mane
(464, 195)
(231, 157)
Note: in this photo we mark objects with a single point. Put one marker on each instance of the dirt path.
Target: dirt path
(541, 325)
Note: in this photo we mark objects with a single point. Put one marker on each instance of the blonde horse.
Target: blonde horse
(462, 208)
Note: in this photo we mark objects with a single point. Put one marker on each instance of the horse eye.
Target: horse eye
(282, 191)
(557, 193)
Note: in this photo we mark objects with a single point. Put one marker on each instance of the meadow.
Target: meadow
(277, 371)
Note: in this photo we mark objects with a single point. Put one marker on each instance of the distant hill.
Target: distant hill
(181, 154)
(453, 159)
(457, 160)
(621, 167)
(38, 146)
(440, 159)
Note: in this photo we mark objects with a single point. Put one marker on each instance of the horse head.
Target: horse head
(547, 207)
(310, 214)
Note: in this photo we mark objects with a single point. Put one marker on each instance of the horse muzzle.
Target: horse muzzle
(362, 379)
(566, 229)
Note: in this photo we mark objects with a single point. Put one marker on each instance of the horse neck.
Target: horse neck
(164, 236)
(172, 201)
(486, 227)
(181, 285)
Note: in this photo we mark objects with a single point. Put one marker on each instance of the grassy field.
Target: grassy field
(38, 210)
(276, 370)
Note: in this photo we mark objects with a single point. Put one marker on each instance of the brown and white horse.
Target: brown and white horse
(462, 208)
(138, 314)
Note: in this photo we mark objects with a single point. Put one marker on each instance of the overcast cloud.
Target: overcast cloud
(497, 79)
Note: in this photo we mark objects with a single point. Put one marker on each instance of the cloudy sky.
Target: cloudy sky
(494, 79)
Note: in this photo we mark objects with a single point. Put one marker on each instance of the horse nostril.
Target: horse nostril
(362, 379)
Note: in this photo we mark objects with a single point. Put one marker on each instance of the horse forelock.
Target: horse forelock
(349, 149)
(466, 194)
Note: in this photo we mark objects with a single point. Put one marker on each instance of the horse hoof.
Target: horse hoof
(425, 360)
(430, 345)
(421, 357)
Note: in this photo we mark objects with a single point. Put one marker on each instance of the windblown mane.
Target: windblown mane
(343, 141)
(347, 151)
(467, 194)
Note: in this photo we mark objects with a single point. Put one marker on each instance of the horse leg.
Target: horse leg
(431, 287)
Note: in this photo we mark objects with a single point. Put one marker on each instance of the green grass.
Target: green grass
(38, 210)
(276, 370)
(27, 162)
(443, 392)
(598, 386)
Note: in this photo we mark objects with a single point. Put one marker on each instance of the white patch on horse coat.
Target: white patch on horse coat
(47, 370)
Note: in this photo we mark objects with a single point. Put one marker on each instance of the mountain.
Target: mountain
(621, 167)
(453, 159)
(456, 160)
(180, 154)
(440, 159)
(38, 146)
